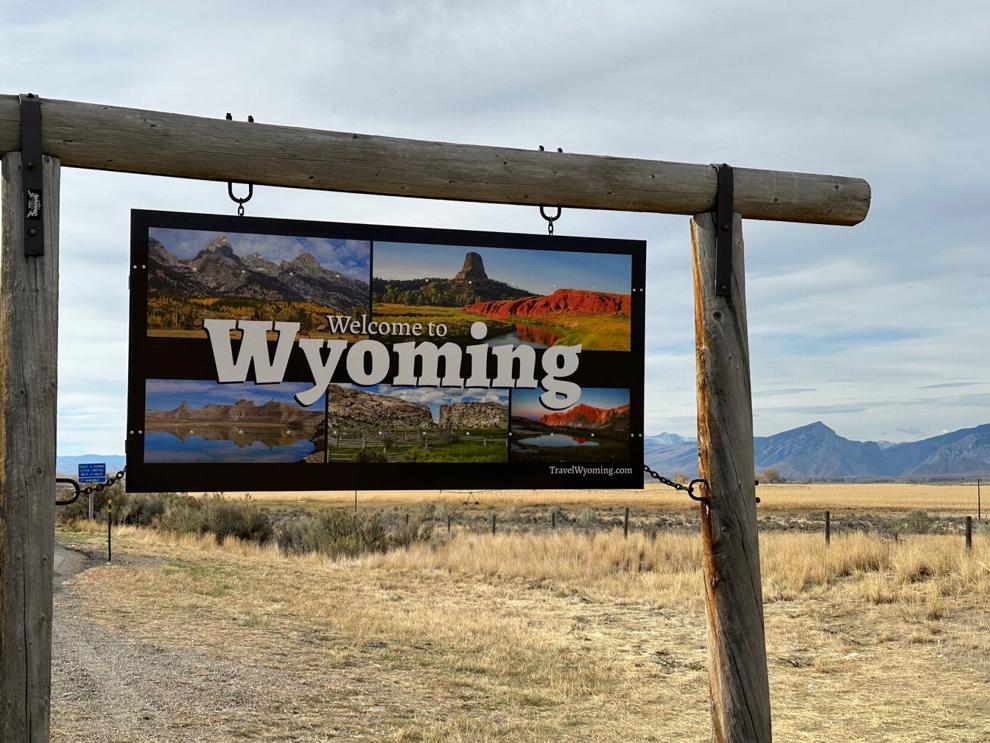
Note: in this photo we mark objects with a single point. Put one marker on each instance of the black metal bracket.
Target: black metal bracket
(75, 487)
(230, 184)
(723, 231)
(32, 172)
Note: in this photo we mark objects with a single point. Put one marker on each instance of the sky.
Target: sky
(881, 330)
(526, 403)
(537, 271)
(349, 257)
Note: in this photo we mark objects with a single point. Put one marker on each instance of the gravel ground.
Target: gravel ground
(109, 688)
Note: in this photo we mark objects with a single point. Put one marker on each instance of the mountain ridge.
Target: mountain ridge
(217, 271)
(816, 452)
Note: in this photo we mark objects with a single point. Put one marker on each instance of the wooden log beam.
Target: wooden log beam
(737, 659)
(28, 378)
(87, 135)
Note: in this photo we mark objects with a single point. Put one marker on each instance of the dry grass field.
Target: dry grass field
(954, 498)
(569, 635)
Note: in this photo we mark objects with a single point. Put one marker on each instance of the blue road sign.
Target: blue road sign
(95, 472)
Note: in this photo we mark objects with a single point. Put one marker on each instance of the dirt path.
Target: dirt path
(108, 688)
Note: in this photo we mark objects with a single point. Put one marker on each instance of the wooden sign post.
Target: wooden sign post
(28, 380)
(737, 657)
(155, 143)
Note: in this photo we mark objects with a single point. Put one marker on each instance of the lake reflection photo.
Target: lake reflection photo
(195, 421)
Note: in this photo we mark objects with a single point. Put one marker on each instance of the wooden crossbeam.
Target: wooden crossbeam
(87, 135)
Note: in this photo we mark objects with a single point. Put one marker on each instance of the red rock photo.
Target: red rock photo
(590, 417)
(570, 301)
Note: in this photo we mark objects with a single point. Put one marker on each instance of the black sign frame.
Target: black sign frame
(191, 359)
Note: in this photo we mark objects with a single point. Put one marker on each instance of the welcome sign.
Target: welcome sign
(271, 354)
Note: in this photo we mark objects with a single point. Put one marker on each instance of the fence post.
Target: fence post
(969, 532)
(28, 384)
(625, 524)
(828, 528)
(448, 524)
(739, 688)
(493, 524)
(553, 519)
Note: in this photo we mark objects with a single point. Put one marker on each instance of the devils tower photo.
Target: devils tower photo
(537, 297)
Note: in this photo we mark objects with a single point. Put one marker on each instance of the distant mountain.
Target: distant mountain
(217, 271)
(816, 452)
(589, 417)
(671, 454)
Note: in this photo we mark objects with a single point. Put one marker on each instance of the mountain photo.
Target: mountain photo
(194, 274)
(203, 421)
(537, 297)
(595, 429)
(385, 423)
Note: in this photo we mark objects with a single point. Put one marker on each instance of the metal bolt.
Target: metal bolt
(32, 231)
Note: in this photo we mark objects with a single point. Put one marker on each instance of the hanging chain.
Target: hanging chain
(96, 488)
(550, 220)
(110, 482)
(689, 488)
(543, 213)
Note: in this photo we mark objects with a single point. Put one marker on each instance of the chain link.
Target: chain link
(77, 491)
(110, 482)
(689, 488)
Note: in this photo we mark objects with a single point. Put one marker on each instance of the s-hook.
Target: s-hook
(230, 184)
(543, 213)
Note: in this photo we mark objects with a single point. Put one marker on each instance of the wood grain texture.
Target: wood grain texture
(737, 661)
(28, 379)
(88, 135)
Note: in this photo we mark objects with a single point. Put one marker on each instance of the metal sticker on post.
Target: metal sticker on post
(272, 354)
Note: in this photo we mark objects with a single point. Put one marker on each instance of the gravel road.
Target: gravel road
(107, 687)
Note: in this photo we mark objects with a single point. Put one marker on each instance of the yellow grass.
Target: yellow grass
(958, 498)
(567, 637)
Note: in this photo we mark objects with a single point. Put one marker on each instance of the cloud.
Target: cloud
(867, 322)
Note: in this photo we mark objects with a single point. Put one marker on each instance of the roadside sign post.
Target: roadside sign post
(91, 473)
(156, 143)
(28, 374)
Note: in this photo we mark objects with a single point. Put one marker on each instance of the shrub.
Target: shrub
(340, 533)
(80, 509)
(140, 509)
(917, 522)
(588, 517)
(184, 516)
(241, 518)
(371, 455)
